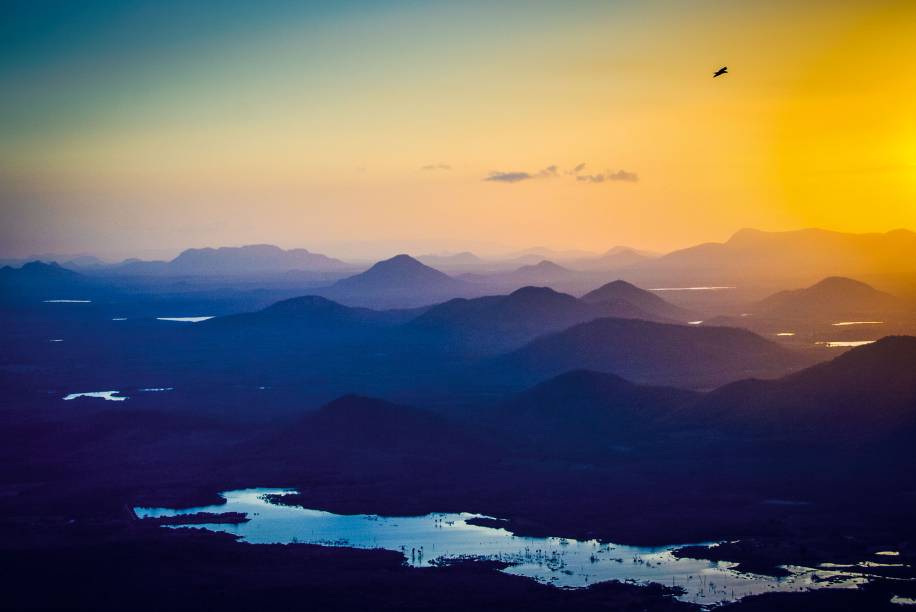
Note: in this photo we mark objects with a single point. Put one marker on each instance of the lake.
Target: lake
(561, 562)
(105, 395)
(845, 343)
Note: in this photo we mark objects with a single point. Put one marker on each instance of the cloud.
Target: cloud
(517, 176)
(620, 175)
(548, 171)
(508, 177)
(623, 175)
(554, 171)
(433, 167)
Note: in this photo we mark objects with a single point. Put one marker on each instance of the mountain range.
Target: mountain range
(503, 322)
(398, 282)
(232, 261)
(759, 257)
(832, 299)
(650, 352)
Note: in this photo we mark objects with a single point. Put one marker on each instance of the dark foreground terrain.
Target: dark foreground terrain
(560, 416)
(630, 464)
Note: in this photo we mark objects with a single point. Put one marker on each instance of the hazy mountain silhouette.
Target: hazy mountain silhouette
(865, 395)
(649, 302)
(351, 427)
(834, 298)
(235, 261)
(534, 255)
(43, 281)
(586, 411)
(37, 271)
(463, 261)
(504, 322)
(401, 281)
(310, 312)
(803, 255)
(650, 352)
(614, 259)
(543, 271)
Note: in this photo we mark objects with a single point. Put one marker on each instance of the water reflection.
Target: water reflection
(845, 323)
(184, 319)
(67, 301)
(690, 288)
(105, 395)
(845, 343)
(558, 561)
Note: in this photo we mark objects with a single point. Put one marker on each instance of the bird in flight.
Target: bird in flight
(720, 71)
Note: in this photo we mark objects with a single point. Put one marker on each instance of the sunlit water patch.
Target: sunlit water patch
(694, 322)
(67, 301)
(785, 333)
(184, 319)
(690, 288)
(845, 343)
(105, 395)
(846, 323)
(424, 540)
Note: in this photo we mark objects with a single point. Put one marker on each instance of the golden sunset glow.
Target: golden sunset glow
(324, 126)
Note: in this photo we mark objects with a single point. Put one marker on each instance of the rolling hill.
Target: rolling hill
(832, 299)
(503, 322)
(646, 301)
(649, 352)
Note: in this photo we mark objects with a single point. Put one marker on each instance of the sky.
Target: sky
(367, 128)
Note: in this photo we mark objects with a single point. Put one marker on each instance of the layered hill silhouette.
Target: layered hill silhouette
(648, 302)
(399, 282)
(544, 272)
(832, 299)
(234, 261)
(796, 256)
(38, 281)
(587, 412)
(502, 322)
(311, 313)
(649, 352)
(613, 259)
(866, 395)
(464, 261)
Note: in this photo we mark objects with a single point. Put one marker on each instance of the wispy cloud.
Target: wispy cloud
(601, 177)
(508, 177)
(517, 176)
(433, 167)
(551, 171)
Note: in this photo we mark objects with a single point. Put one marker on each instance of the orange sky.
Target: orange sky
(313, 128)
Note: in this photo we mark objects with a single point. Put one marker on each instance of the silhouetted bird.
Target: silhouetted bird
(720, 71)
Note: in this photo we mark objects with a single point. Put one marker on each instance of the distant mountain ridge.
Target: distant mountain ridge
(802, 255)
(656, 307)
(398, 282)
(652, 353)
(614, 259)
(250, 259)
(866, 394)
(502, 322)
(38, 281)
(834, 297)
